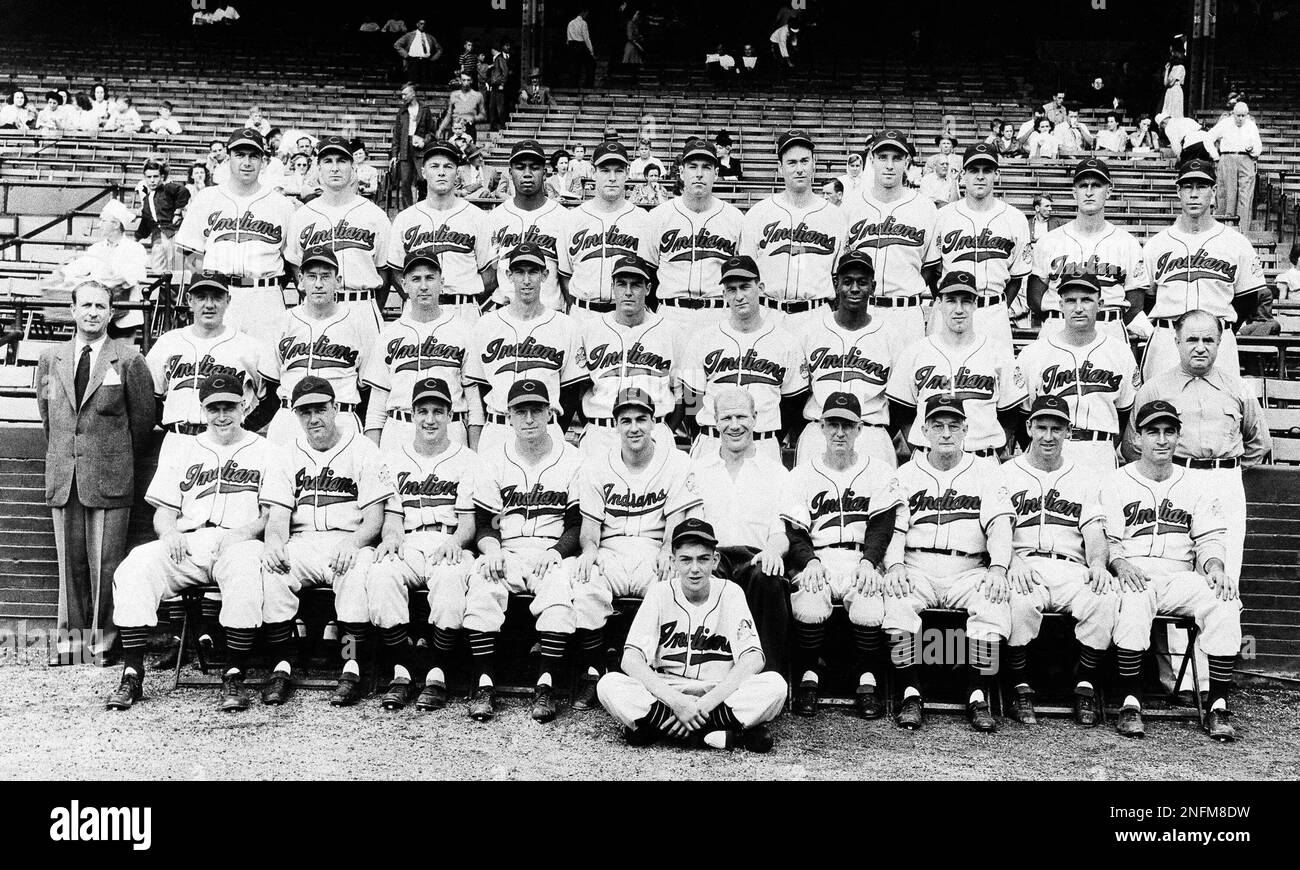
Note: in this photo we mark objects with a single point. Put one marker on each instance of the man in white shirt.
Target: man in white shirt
(582, 57)
(1187, 138)
(419, 52)
(1237, 139)
(1074, 135)
(785, 42)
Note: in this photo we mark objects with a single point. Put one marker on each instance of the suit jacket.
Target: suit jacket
(95, 445)
(169, 202)
(424, 126)
(403, 44)
(1052, 223)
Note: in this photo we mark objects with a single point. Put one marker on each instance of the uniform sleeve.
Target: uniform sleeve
(684, 492)
(1149, 254)
(691, 353)
(933, 250)
(383, 236)
(655, 225)
(474, 372)
(1110, 505)
(268, 365)
(567, 227)
(1092, 510)
(887, 494)
(367, 337)
(482, 239)
(1012, 389)
(795, 508)
(1250, 275)
(156, 360)
(901, 387)
(375, 371)
(644, 228)
(643, 636)
(1127, 367)
(1022, 254)
(740, 628)
(278, 489)
(487, 488)
(192, 236)
(1135, 267)
(1030, 368)
(575, 362)
(1209, 527)
(995, 500)
(750, 231)
(165, 488)
(396, 249)
(293, 238)
(930, 250)
(388, 472)
(591, 501)
(465, 487)
(375, 483)
(797, 377)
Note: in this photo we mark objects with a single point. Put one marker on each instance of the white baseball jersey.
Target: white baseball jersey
(529, 500)
(949, 510)
(1114, 256)
(697, 642)
(593, 240)
(849, 361)
(458, 235)
(327, 490)
(357, 233)
(1206, 271)
(212, 484)
(431, 490)
(407, 351)
(834, 506)
(504, 349)
(795, 248)
(180, 359)
(637, 504)
(982, 374)
(992, 245)
(618, 356)
(1051, 507)
(238, 235)
(1096, 381)
(336, 348)
(767, 362)
(1172, 519)
(898, 235)
(690, 247)
(509, 226)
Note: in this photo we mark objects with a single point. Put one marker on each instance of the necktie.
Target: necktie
(83, 374)
(424, 45)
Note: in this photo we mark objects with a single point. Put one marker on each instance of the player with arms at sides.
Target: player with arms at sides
(528, 216)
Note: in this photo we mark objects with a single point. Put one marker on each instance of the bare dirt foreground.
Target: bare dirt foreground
(53, 726)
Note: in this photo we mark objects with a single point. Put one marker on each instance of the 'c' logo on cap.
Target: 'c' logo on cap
(528, 388)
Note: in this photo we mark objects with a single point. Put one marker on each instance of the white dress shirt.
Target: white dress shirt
(95, 347)
(744, 511)
(577, 31)
(1231, 139)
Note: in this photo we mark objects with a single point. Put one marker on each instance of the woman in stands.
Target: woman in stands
(1144, 139)
(1042, 145)
(15, 114)
(200, 177)
(1175, 73)
(728, 164)
(100, 102)
(295, 180)
(560, 184)
(82, 118)
(1006, 142)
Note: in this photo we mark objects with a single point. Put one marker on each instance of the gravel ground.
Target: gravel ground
(54, 726)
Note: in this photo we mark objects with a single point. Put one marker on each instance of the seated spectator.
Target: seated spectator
(225, 15)
(651, 191)
(257, 122)
(579, 166)
(948, 127)
(1114, 138)
(1100, 97)
(719, 63)
(536, 93)
(1042, 145)
(200, 177)
(995, 130)
(165, 124)
(728, 163)
(947, 154)
(1042, 222)
(1006, 143)
(1028, 128)
(643, 161)
(1074, 135)
(784, 42)
(15, 114)
(463, 104)
(1054, 109)
(124, 118)
(940, 186)
(561, 184)
(476, 181)
(369, 27)
(394, 25)
(51, 117)
(1144, 140)
(748, 65)
(100, 102)
(854, 177)
(367, 176)
(833, 191)
(305, 144)
(296, 184)
(1288, 283)
(463, 135)
(81, 117)
(116, 261)
(1262, 322)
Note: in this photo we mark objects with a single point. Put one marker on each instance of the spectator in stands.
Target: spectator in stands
(1144, 140)
(367, 176)
(15, 114)
(1054, 109)
(785, 44)
(1006, 143)
(200, 177)
(1074, 135)
(50, 117)
(462, 135)
(728, 163)
(560, 184)
(748, 66)
(482, 72)
(369, 27)
(1114, 138)
(634, 45)
(580, 167)
(1042, 222)
(854, 178)
(227, 14)
(165, 124)
(1100, 97)
(463, 104)
(946, 142)
(1042, 145)
(393, 25)
(296, 184)
(257, 122)
(650, 192)
(940, 186)
(643, 161)
(477, 181)
(536, 94)
(833, 191)
(1262, 322)
(82, 118)
(124, 118)
(499, 87)
(469, 62)
(218, 161)
(419, 51)
(305, 144)
(1237, 140)
(1288, 282)
(162, 205)
(995, 130)
(1186, 139)
(1175, 75)
(100, 102)
(124, 264)
(582, 57)
(720, 64)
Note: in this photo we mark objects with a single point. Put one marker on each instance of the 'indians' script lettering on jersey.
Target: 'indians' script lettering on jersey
(985, 246)
(1059, 511)
(504, 240)
(426, 492)
(881, 235)
(443, 240)
(623, 503)
(677, 246)
(228, 478)
(610, 363)
(323, 487)
(222, 228)
(527, 354)
(319, 354)
(415, 356)
(850, 366)
(535, 501)
(963, 385)
(1061, 380)
(1064, 267)
(706, 646)
(749, 369)
(337, 236)
(851, 507)
(1164, 520)
(189, 375)
(586, 245)
(947, 508)
(798, 240)
(1194, 268)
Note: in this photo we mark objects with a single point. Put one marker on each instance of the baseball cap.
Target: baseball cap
(1157, 410)
(334, 145)
(609, 151)
(855, 259)
(1160, 118)
(210, 281)
(890, 138)
(1085, 282)
(980, 152)
(311, 390)
(944, 403)
(246, 138)
(220, 388)
(319, 254)
(958, 282)
(1196, 169)
(527, 148)
(742, 266)
(1092, 166)
(633, 265)
(697, 147)
(790, 138)
(428, 256)
(633, 397)
(1050, 406)
(528, 392)
(526, 252)
(431, 389)
(842, 406)
(694, 529)
(445, 148)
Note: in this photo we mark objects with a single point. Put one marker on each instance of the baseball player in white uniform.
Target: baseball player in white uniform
(851, 350)
(1059, 563)
(795, 237)
(327, 492)
(1166, 549)
(958, 360)
(1093, 371)
(428, 528)
(749, 349)
(629, 499)
(691, 236)
(456, 230)
(321, 338)
(524, 340)
(206, 496)
(1089, 245)
(951, 548)
(692, 660)
(347, 223)
(239, 229)
(527, 521)
(426, 341)
(598, 232)
(894, 225)
(1198, 263)
(628, 347)
(983, 235)
(840, 521)
(528, 216)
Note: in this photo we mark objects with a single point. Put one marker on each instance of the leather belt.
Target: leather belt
(503, 420)
(843, 545)
(684, 302)
(983, 301)
(1090, 435)
(793, 307)
(364, 295)
(1104, 315)
(897, 301)
(457, 298)
(345, 407)
(594, 305)
(186, 428)
(943, 551)
(1204, 464)
(408, 417)
(1047, 555)
(984, 452)
(609, 422)
(243, 281)
(712, 432)
(434, 527)
(1168, 322)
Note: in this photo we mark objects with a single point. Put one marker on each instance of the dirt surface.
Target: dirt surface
(53, 726)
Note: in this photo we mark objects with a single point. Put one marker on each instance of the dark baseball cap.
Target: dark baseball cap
(1196, 169)
(334, 145)
(1086, 282)
(958, 282)
(1050, 406)
(1092, 166)
(427, 256)
(311, 390)
(742, 266)
(527, 148)
(526, 252)
(431, 390)
(855, 260)
(220, 388)
(842, 406)
(980, 152)
(698, 147)
(609, 151)
(246, 138)
(445, 148)
(633, 397)
(696, 530)
(633, 265)
(209, 281)
(791, 138)
(1155, 411)
(890, 138)
(528, 392)
(319, 254)
(944, 403)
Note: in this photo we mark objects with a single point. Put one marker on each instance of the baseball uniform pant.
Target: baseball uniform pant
(815, 607)
(707, 445)
(148, 575)
(597, 441)
(284, 427)
(768, 597)
(1064, 590)
(90, 543)
(258, 311)
(390, 581)
(309, 555)
(685, 322)
(906, 323)
(1161, 353)
(758, 699)
(495, 436)
(397, 434)
(1098, 456)
(485, 605)
(1225, 484)
(873, 441)
(947, 581)
(1235, 188)
(625, 567)
(1177, 591)
(1056, 325)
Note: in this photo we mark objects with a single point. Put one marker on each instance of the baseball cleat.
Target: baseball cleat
(1129, 723)
(482, 706)
(233, 698)
(981, 719)
(756, 739)
(1087, 712)
(277, 689)
(397, 695)
(585, 697)
(543, 703)
(868, 703)
(912, 714)
(1219, 726)
(347, 692)
(643, 734)
(1022, 707)
(432, 697)
(130, 690)
(805, 699)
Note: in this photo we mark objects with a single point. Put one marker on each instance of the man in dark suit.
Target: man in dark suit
(412, 126)
(162, 205)
(419, 52)
(1041, 222)
(96, 402)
